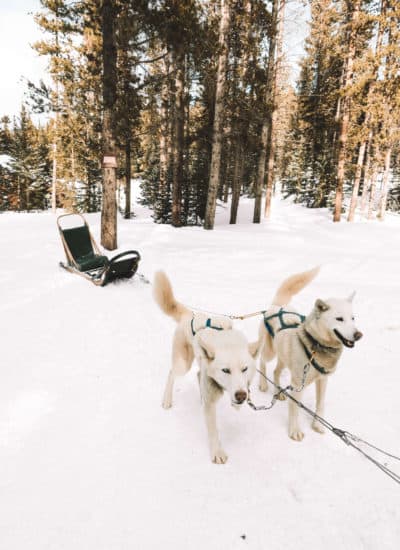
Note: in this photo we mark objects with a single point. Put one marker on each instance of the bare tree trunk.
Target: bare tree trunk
(128, 172)
(218, 116)
(385, 182)
(237, 179)
(109, 206)
(54, 168)
(267, 124)
(186, 169)
(19, 193)
(54, 172)
(271, 145)
(357, 178)
(73, 164)
(372, 191)
(165, 143)
(178, 136)
(345, 110)
(367, 176)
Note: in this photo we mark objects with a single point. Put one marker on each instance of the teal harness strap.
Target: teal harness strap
(208, 325)
(284, 325)
(310, 357)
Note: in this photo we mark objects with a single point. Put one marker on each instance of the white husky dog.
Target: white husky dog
(225, 358)
(316, 340)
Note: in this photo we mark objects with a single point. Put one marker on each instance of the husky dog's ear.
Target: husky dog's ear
(320, 305)
(351, 297)
(206, 349)
(255, 348)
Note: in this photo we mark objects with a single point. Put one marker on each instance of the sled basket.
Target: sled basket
(85, 259)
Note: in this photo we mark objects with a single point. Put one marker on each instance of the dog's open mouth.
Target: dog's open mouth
(345, 342)
(237, 403)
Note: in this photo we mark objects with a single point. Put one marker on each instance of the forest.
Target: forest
(195, 100)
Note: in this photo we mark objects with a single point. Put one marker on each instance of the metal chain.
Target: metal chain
(275, 397)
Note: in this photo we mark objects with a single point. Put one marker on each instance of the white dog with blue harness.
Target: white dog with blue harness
(226, 359)
(315, 341)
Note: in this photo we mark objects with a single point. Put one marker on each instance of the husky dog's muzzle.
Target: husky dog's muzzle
(349, 343)
(240, 397)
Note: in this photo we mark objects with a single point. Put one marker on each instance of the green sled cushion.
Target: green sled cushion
(91, 261)
(81, 248)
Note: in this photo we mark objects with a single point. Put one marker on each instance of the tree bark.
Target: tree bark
(164, 143)
(218, 116)
(367, 176)
(267, 123)
(385, 183)
(54, 171)
(178, 136)
(236, 186)
(357, 179)
(271, 144)
(353, 16)
(372, 191)
(109, 53)
(128, 172)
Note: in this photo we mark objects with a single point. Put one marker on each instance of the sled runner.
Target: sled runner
(85, 259)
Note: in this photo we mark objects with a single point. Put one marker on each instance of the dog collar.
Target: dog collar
(317, 344)
(310, 357)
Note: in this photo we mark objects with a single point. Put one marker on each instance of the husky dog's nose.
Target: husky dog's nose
(240, 396)
(357, 335)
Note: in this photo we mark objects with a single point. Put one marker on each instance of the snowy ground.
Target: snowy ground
(90, 461)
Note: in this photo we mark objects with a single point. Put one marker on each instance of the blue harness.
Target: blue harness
(208, 325)
(279, 315)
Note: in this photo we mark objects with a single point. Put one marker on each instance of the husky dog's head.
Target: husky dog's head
(228, 359)
(332, 321)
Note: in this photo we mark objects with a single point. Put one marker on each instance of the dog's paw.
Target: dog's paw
(167, 403)
(318, 427)
(263, 385)
(219, 457)
(296, 435)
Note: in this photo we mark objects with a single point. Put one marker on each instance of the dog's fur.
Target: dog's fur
(225, 358)
(328, 327)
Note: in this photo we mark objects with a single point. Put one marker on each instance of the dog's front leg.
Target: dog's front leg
(320, 388)
(167, 399)
(294, 429)
(263, 383)
(218, 455)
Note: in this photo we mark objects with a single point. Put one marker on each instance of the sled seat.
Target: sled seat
(84, 257)
(80, 246)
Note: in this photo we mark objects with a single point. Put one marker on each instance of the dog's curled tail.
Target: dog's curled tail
(292, 285)
(164, 296)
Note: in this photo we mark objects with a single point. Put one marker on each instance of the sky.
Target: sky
(19, 61)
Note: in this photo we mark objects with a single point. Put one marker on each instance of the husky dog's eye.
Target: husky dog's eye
(339, 319)
(245, 369)
(226, 371)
